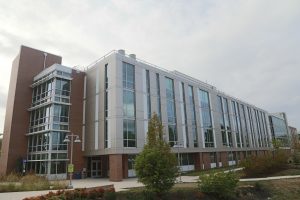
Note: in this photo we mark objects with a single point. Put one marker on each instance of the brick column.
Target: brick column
(125, 165)
(197, 161)
(115, 167)
(206, 160)
(224, 159)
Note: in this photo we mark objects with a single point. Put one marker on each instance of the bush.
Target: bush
(221, 185)
(258, 166)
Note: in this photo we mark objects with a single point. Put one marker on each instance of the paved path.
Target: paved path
(119, 186)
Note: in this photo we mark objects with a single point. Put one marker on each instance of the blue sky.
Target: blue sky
(248, 48)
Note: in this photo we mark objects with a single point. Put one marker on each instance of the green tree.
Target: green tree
(156, 166)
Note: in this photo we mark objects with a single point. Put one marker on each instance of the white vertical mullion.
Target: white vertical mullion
(144, 91)
(97, 110)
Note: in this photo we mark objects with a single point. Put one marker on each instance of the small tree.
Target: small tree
(156, 166)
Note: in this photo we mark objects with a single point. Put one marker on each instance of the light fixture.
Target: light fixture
(66, 139)
(77, 140)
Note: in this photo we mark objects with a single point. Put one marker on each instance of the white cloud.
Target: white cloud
(248, 49)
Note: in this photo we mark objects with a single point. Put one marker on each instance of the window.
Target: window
(237, 124)
(171, 112)
(128, 76)
(183, 110)
(129, 130)
(193, 115)
(129, 134)
(213, 157)
(128, 104)
(206, 118)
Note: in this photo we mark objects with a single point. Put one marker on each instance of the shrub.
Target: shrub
(258, 166)
(221, 185)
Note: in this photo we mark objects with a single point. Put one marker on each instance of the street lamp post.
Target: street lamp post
(178, 145)
(70, 138)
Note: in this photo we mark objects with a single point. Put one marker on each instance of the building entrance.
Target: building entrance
(96, 170)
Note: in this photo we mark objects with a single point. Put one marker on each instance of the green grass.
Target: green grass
(208, 171)
(15, 183)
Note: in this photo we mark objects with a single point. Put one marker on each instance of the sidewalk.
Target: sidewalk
(119, 186)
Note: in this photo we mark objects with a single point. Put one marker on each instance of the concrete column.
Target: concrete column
(115, 167)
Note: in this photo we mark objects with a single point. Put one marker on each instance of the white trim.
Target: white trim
(96, 136)
(83, 138)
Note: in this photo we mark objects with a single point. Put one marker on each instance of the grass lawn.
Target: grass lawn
(208, 171)
(285, 189)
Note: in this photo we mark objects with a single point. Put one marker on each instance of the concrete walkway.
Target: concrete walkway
(119, 186)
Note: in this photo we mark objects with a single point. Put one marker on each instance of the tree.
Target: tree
(156, 167)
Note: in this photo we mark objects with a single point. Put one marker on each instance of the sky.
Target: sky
(246, 48)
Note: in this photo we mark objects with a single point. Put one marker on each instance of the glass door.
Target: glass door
(96, 169)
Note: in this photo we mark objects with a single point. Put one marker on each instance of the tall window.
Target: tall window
(158, 96)
(106, 108)
(237, 124)
(258, 128)
(250, 116)
(193, 116)
(245, 126)
(171, 112)
(206, 118)
(129, 130)
(266, 129)
(224, 121)
(148, 94)
(184, 116)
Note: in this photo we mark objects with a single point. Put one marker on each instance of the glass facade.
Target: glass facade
(184, 115)
(245, 124)
(279, 130)
(171, 111)
(224, 118)
(206, 119)
(252, 131)
(258, 128)
(193, 115)
(49, 123)
(129, 130)
(237, 123)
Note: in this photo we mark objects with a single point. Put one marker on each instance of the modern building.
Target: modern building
(280, 128)
(108, 106)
